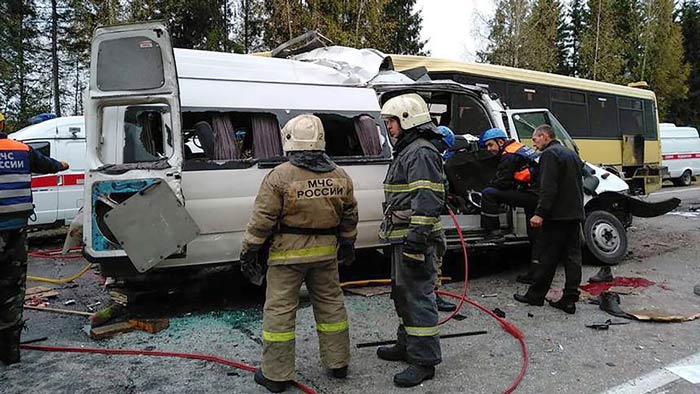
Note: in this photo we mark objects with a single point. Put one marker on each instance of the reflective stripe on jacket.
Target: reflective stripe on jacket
(15, 180)
(414, 192)
(296, 197)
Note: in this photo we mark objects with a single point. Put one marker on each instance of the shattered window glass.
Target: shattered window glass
(147, 137)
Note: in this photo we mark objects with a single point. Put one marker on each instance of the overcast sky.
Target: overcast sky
(455, 29)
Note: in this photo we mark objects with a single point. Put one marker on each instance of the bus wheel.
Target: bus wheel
(684, 180)
(605, 237)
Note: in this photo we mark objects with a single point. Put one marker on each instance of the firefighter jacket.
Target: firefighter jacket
(414, 191)
(17, 162)
(517, 167)
(304, 212)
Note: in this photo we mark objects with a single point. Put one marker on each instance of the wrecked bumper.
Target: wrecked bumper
(640, 208)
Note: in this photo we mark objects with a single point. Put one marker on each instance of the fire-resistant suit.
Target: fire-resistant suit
(17, 162)
(308, 208)
(414, 197)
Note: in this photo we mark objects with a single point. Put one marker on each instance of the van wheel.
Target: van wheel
(685, 179)
(605, 237)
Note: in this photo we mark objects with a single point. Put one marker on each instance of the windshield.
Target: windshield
(525, 124)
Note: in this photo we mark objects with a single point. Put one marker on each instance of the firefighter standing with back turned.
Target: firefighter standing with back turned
(307, 206)
(414, 195)
(17, 162)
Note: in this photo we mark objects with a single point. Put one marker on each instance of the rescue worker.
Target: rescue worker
(514, 184)
(414, 195)
(17, 163)
(2, 122)
(559, 212)
(307, 208)
(443, 145)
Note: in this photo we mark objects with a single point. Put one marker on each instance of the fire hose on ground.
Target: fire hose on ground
(56, 254)
(510, 328)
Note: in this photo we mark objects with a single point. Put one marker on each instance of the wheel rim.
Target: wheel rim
(686, 178)
(605, 237)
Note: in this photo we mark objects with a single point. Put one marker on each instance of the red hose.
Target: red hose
(57, 254)
(134, 352)
(509, 327)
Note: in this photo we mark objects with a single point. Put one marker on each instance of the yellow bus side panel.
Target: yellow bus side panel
(609, 152)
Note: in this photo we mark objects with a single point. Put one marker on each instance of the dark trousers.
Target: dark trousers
(492, 198)
(560, 243)
(413, 292)
(13, 281)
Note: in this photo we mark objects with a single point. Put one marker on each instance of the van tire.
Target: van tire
(605, 238)
(685, 179)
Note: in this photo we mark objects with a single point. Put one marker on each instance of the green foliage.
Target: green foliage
(507, 36)
(543, 47)
(686, 111)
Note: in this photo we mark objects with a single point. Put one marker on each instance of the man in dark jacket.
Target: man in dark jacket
(559, 213)
(414, 194)
(17, 163)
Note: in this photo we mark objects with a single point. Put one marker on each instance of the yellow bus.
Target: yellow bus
(614, 126)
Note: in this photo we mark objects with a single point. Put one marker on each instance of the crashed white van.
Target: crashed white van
(152, 203)
(57, 197)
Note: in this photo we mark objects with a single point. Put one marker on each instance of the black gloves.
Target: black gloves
(251, 266)
(346, 252)
(414, 247)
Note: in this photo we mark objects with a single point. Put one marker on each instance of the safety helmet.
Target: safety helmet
(492, 134)
(448, 137)
(410, 109)
(303, 132)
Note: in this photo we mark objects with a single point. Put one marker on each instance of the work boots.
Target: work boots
(603, 275)
(9, 345)
(340, 373)
(525, 299)
(270, 385)
(392, 353)
(443, 305)
(413, 376)
(567, 304)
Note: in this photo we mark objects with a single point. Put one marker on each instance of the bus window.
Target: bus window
(571, 109)
(631, 115)
(527, 96)
(603, 115)
(650, 123)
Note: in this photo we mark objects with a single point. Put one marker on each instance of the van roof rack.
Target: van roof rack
(306, 42)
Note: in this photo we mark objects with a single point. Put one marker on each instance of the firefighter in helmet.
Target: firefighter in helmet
(306, 211)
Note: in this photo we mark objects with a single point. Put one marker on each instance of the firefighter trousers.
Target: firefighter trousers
(413, 292)
(279, 317)
(13, 281)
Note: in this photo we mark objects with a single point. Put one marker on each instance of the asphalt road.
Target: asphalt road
(223, 318)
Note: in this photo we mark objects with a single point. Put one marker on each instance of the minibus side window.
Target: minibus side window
(43, 147)
(355, 136)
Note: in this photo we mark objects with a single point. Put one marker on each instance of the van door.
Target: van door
(522, 122)
(44, 187)
(70, 183)
(133, 125)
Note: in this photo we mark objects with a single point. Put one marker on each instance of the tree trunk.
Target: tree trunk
(54, 57)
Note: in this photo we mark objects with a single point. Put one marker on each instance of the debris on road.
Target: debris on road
(40, 292)
(619, 281)
(110, 330)
(151, 326)
(499, 313)
(606, 324)
(104, 315)
(69, 302)
(55, 310)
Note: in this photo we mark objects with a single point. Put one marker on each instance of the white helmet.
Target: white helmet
(410, 109)
(303, 132)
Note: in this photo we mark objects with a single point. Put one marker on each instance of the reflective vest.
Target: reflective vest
(522, 175)
(15, 180)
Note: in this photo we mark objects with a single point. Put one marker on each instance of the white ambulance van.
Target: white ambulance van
(680, 152)
(57, 197)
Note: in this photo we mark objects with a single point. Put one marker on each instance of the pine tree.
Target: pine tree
(662, 64)
(628, 24)
(507, 34)
(543, 47)
(687, 111)
(248, 24)
(601, 53)
(23, 92)
(403, 26)
(573, 31)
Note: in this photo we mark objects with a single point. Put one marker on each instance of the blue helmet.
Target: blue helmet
(448, 137)
(491, 134)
